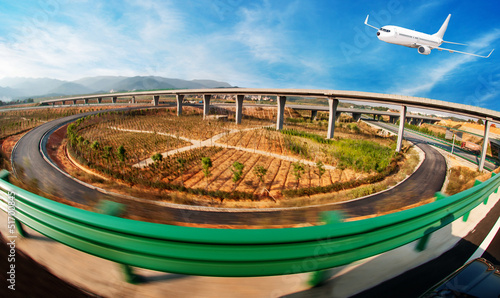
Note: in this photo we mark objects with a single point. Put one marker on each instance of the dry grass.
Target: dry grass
(460, 179)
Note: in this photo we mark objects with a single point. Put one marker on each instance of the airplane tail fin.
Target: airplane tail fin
(442, 30)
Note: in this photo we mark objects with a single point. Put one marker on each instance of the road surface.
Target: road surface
(410, 135)
(27, 158)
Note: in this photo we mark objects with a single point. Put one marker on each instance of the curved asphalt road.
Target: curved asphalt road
(410, 135)
(26, 157)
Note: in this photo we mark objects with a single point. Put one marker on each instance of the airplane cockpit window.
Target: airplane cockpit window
(385, 30)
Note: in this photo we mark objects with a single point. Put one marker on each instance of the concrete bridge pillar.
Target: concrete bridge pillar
(314, 114)
(374, 117)
(74, 101)
(99, 100)
(179, 98)
(156, 100)
(485, 144)
(113, 100)
(337, 115)
(332, 114)
(86, 100)
(356, 116)
(401, 130)
(206, 105)
(239, 108)
(133, 99)
(281, 112)
(393, 119)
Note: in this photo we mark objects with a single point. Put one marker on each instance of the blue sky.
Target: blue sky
(259, 44)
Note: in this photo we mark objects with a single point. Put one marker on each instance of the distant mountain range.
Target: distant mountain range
(20, 88)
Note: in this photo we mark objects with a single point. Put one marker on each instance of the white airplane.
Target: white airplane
(414, 39)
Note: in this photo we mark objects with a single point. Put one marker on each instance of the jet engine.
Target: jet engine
(424, 50)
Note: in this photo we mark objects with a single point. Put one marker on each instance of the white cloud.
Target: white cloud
(430, 75)
(262, 31)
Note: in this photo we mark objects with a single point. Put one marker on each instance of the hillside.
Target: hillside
(20, 88)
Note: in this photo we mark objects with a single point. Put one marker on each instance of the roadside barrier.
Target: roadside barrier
(235, 252)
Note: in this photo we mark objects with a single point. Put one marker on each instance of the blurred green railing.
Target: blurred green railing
(237, 252)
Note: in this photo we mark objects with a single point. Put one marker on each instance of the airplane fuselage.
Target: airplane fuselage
(408, 38)
(425, 43)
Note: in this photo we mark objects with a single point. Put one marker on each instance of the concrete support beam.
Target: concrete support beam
(374, 117)
(356, 116)
(179, 98)
(332, 115)
(99, 100)
(487, 124)
(86, 100)
(239, 108)
(133, 99)
(113, 100)
(393, 119)
(206, 105)
(337, 115)
(314, 114)
(74, 101)
(401, 131)
(156, 100)
(281, 112)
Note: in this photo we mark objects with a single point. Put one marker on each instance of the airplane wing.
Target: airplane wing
(454, 51)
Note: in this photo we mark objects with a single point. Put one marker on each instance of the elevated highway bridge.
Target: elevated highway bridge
(333, 97)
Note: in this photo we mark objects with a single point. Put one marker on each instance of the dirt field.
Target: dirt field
(279, 174)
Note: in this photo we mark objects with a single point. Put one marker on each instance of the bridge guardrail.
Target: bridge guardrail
(236, 252)
(457, 148)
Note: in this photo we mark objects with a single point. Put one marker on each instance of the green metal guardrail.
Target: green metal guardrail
(237, 252)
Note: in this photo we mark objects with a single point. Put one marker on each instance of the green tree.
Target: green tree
(206, 164)
(237, 170)
(121, 153)
(157, 157)
(95, 145)
(321, 170)
(107, 152)
(298, 170)
(260, 172)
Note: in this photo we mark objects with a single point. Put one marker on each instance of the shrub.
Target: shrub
(121, 152)
(260, 172)
(298, 170)
(157, 157)
(237, 170)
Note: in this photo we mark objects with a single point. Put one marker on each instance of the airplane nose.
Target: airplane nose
(378, 33)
